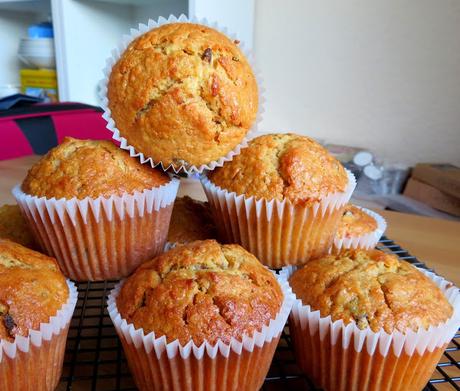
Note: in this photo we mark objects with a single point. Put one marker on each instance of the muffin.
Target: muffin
(358, 228)
(281, 198)
(182, 94)
(36, 305)
(364, 313)
(97, 210)
(191, 220)
(14, 227)
(212, 312)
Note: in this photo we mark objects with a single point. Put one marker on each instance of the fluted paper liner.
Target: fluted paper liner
(343, 357)
(366, 241)
(238, 365)
(101, 238)
(35, 362)
(277, 232)
(124, 143)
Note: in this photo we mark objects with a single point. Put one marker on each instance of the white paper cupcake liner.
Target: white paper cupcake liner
(35, 362)
(124, 143)
(277, 232)
(101, 238)
(157, 364)
(370, 360)
(366, 241)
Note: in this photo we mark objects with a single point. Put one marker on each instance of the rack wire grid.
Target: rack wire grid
(95, 361)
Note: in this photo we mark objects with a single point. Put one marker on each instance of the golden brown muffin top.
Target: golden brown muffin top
(201, 291)
(88, 168)
(191, 220)
(373, 289)
(282, 166)
(355, 222)
(32, 289)
(183, 94)
(14, 227)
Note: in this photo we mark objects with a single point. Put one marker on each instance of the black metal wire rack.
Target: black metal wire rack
(95, 361)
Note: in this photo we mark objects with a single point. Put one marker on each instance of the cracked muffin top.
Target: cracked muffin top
(373, 289)
(14, 227)
(183, 94)
(88, 168)
(32, 289)
(190, 220)
(282, 166)
(355, 222)
(201, 291)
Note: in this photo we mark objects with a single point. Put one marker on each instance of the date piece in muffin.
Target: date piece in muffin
(201, 291)
(32, 289)
(282, 166)
(355, 222)
(88, 168)
(14, 227)
(190, 220)
(183, 94)
(372, 289)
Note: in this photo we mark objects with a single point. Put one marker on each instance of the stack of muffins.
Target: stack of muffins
(182, 98)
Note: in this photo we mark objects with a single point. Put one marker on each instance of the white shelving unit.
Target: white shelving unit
(86, 31)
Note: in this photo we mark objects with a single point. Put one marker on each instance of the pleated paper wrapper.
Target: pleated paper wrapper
(124, 142)
(343, 357)
(101, 238)
(366, 241)
(278, 233)
(158, 365)
(34, 363)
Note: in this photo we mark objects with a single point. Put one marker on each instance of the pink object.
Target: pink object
(38, 128)
(14, 144)
(86, 126)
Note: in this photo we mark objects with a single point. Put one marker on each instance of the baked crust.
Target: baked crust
(355, 222)
(183, 94)
(191, 220)
(14, 227)
(373, 289)
(201, 291)
(88, 168)
(282, 166)
(32, 289)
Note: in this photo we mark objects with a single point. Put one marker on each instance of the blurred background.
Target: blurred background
(376, 81)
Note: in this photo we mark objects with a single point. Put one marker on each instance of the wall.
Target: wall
(382, 74)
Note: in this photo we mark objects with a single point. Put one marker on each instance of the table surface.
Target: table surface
(435, 242)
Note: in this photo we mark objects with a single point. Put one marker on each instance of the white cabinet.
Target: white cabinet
(86, 31)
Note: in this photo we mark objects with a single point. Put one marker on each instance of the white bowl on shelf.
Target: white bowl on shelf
(37, 52)
(37, 61)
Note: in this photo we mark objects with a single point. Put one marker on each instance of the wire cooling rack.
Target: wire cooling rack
(95, 361)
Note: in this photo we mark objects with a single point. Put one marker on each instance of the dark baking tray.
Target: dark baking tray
(95, 361)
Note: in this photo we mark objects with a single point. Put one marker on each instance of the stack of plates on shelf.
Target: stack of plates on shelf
(37, 52)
